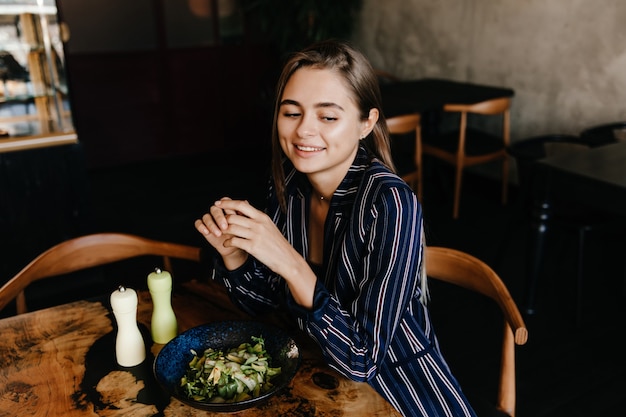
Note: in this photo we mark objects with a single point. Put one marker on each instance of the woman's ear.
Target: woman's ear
(369, 123)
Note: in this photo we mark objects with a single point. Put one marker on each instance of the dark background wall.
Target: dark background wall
(154, 79)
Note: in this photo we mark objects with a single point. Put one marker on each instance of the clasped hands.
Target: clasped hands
(236, 229)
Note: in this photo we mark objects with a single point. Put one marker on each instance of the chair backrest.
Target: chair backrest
(402, 125)
(493, 106)
(86, 252)
(496, 106)
(462, 269)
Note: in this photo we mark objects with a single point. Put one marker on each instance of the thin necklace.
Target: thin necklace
(319, 196)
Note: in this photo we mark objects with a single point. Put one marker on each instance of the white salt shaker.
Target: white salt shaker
(130, 349)
(163, 326)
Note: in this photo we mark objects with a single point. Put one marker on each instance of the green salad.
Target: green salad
(229, 376)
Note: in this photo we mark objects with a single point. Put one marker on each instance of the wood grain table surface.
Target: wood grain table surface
(61, 362)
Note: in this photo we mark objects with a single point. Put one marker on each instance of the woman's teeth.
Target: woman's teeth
(308, 148)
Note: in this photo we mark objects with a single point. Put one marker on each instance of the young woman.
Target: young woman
(341, 242)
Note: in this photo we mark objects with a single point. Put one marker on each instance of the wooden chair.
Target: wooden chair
(86, 252)
(466, 146)
(464, 270)
(403, 125)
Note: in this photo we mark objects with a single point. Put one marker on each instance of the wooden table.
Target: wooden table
(594, 178)
(431, 94)
(61, 362)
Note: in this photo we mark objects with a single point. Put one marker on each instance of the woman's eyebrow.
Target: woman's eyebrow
(318, 105)
(329, 104)
(287, 101)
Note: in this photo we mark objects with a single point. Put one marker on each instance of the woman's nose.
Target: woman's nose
(307, 127)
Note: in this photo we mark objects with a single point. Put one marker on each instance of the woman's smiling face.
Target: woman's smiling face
(319, 124)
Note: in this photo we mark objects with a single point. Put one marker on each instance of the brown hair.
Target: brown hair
(360, 78)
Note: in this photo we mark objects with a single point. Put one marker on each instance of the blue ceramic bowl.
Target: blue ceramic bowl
(171, 362)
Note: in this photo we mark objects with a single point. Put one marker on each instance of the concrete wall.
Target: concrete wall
(565, 59)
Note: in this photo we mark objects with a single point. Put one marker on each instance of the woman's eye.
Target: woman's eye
(328, 118)
(291, 114)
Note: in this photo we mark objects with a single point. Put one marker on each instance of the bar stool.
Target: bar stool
(582, 222)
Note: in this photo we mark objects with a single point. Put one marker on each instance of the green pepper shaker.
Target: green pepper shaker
(163, 326)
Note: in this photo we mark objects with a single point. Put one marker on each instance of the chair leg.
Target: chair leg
(457, 191)
(505, 180)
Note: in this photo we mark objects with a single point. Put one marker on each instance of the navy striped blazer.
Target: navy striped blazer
(367, 316)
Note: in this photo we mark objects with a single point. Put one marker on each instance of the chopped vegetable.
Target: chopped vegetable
(238, 374)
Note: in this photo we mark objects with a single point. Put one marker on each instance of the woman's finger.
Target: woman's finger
(241, 207)
(210, 222)
(201, 227)
(218, 216)
(226, 210)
